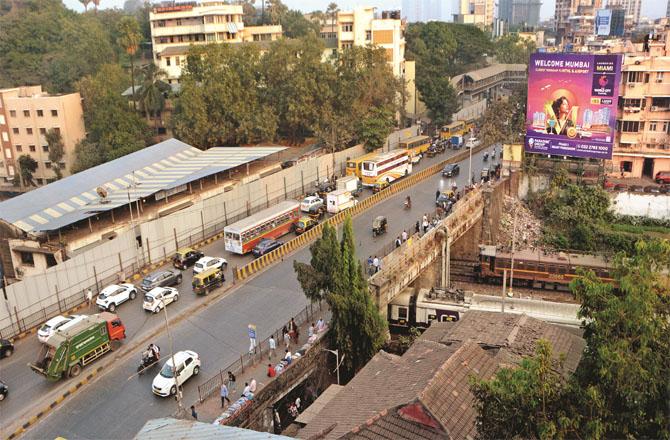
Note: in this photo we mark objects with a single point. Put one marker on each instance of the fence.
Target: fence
(213, 384)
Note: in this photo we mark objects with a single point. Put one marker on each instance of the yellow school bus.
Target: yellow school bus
(416, 146)
(456, 128)
(354, 166)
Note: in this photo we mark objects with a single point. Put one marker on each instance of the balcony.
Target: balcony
(633, 90)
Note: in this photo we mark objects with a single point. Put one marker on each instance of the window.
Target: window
(627, 166)
(40, 113)
(54, 113)
(179, 22)
(2, 119)
(51, 260)
(26, 113)
(15, 130)
(176, 61)
(43, 131)
(347, 45)
(402, 313)
(630, 126)
(347, 27)
(45, 148)
(40, 181)
(652, 126)
(368, 35)
(167, 61)
(12, 113)
(47, 165)
(31, 148)
(659, 77)
(27, 258)
(29, 130)
(666, 126)
(19, 148)
(5, 136)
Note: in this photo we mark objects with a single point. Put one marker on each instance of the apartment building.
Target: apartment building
(177, 26)
(642, 143)
(476, 12)
(361, 27)
(26, 114)
(520, 12)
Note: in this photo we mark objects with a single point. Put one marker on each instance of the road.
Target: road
(116, 407)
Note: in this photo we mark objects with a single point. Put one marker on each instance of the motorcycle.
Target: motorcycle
(408, 204)
(486, 157)
(146, 363)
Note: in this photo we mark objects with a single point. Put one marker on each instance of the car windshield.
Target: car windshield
(199, 265)
(45, 328)
(147, 281)
(102, 295)
(301, 224)
(167, 371)
(148, 298)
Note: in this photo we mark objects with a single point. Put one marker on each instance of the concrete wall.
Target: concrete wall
(531, 184)
(644, 205)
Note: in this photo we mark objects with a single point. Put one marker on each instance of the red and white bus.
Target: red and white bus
(391, 166)
(242, 236)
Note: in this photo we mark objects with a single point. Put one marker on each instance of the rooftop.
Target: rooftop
(168, 428)
(488, 72)
(163, 166)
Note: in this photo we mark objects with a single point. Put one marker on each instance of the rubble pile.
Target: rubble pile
(528, 227)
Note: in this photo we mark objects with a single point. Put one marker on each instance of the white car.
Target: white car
(113, 296)
(311, 203)
(50, 327)
(159, 297)
(206, 263)
(188, 364)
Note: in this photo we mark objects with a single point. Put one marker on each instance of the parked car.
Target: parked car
(160, 279)
(451, 170)
(265, 246)
(188, 365)
(636, 188)
(620, 187)
(312, 204)
(662, 177)
(206, 263)
(160, 297)
(6, 348)
(113, 296)
(50, 327)
(4, 390)
(186, 257)
(652, 189)
(288, 164)
(304, 224)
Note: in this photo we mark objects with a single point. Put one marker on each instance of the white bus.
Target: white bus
(391, 166)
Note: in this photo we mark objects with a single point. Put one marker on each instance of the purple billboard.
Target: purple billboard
(572, 104)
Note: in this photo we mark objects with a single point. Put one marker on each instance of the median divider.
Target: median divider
(257, 265)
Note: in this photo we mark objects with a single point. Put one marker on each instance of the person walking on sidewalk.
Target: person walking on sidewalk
(404, 236)
(375, 264)
(193, 413)
(273, 347)
(293, 330)
(310, 330)
(271, 371)
(247, 390)
(253, 385)
(89, 297)
(231, 381)
(224, 395)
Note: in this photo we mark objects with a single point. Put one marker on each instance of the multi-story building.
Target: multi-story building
(477, 12)
(176, 26)
(361, 27)
(642, 143)
(632, 8)
(26, 114)
(423, 10)
(567, 16)
(520, 12)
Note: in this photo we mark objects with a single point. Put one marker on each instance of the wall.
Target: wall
(532, 184)
(644, 205)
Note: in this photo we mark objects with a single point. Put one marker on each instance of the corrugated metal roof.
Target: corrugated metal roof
(159, 167)
(175, 429)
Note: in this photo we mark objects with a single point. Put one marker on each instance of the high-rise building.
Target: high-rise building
(574, 16)
(415, 11)
(26, 114)
(632, 8)
(520, 12)
(177, 26)
(478, 12)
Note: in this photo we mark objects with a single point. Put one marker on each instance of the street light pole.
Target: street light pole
(511, 278)
(470, 161)
(174, 364)
(337, 361)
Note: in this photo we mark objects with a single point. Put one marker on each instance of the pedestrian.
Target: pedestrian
(89, 297)
(437, 194)
(297, 403)
(193, 413)
(425, 224)
(287, 357)
(271, 371)
(424, 219)
(310, 330)
(224, 395)
(231, 381)
(292, 327)
(375, 264)
(293, 410)
(380, 264)
(253, 385)
(417, 227)
(247, 390)
(287, 340)
(404, 236)
(273, 347)
(398, 242)
(319, 325)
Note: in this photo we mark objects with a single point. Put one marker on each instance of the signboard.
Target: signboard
(572, 102)
(603, 21)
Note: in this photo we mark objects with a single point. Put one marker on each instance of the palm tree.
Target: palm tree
(153, 91)
(96, 3)
(129, 39)
(85, 3)
(332, 10)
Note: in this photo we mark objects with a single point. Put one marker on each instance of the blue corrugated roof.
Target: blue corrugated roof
(162, 166)
(175, 429)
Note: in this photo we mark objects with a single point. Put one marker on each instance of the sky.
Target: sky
(650, 8)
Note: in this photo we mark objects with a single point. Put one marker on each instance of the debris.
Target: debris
(528, 227)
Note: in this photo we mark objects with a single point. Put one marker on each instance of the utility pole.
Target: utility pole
(470, 145)
(337, 361)
(511, 278)
(180, 408)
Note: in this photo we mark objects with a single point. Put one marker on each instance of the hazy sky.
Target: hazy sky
(650, 8)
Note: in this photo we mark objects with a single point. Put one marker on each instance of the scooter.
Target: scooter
(146, 363)
(407, 204)
(486, 157)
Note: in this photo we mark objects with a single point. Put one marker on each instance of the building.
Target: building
(177, 26)
(565, 9)
(536, 37)
(477, 12)
(632, 8)
(421, 11)
(478, 88)
(361, 27)
(26, 114)
(520, 12)
(169, 428)
(425, 393)
(642, 143)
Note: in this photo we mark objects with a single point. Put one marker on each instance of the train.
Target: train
(537, 268)
(419, 309)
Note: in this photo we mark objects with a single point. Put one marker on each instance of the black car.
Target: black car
(451, 170)
(6, 348)
(186, 257)
(288, 164)
(4, 390)
(160, 279)
(265, 246)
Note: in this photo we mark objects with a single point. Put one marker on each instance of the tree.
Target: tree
(129, 39)
(335, 274)
(153, 91)
(277, 11)
(295, 25)
(27, 166)
(374, 129)
(56, 151)
(85, 3)
(331, 12)
(511, 49)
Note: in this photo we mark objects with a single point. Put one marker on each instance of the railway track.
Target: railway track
(463, 270)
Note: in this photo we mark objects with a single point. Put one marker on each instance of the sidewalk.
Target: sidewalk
(211, 408)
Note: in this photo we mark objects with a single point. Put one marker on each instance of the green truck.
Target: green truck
(67, 351)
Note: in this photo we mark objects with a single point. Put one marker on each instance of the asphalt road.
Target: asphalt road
(118, 403)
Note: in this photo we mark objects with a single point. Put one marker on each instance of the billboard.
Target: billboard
(572, 101)
(603, 22)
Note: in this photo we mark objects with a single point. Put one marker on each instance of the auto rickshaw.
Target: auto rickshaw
(208, 280)
(379, 225)
(485, 175)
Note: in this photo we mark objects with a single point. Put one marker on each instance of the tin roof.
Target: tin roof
(168, 428)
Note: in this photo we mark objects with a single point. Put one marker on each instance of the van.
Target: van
(662, 177)
(208, 280)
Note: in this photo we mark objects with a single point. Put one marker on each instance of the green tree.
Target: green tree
(375, 128)
(331, 12)
(276, 11)
(511, 49)
(27, 166)
(56, 151)
(357, 328)
(87, 155)
(295, 25)
(129, 39)
(153, 91)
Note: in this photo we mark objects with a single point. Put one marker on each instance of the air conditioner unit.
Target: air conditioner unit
(659, 80)
(654, 108)
(631, 85)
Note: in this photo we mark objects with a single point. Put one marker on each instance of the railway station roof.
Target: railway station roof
(160, 167)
